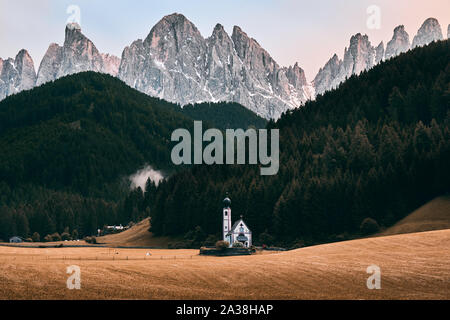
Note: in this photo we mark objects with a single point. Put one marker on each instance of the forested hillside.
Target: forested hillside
(377, 147)
(224, 115)
(69, 146)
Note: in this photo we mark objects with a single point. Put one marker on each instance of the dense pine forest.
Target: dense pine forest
(68, 148)
(224, 115)
(377, 147)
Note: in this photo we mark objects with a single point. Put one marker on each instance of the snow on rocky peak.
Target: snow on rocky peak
(177, 64)
(16, 74)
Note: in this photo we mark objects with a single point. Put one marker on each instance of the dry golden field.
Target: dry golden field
(434, 215)
(413, 266)
(137, 236)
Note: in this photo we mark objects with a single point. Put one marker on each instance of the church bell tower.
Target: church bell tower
(227, 220)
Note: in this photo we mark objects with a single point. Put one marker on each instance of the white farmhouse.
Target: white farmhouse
(239, 231)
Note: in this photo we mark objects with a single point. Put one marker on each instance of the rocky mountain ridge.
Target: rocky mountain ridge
(78, 54)
(361, 55)
(176, 63)
(16, 74)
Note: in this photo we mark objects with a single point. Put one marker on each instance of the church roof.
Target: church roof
(235, 225)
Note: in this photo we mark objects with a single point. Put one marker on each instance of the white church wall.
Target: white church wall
(230, 234)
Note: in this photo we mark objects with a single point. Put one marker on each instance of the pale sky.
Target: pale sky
(307, 32)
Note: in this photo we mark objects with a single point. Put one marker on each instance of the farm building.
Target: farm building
(15, 240)
(111, 230)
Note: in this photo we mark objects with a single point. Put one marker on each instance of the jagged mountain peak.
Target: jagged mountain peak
(238, 31)
(431, 22)
(73, 26)
(399, 29)
(53, 45)
(177, 64)
(239, 36)
(8, 61)
(220, 37)
(50, 64)
(76, 55)
(400, 34)
(23, 52)
(136, 43)
(219, 34)
(381, 45)
(75, 37)
(250, 51)
(296, 76)
(172, 22)
(175, 18)
(297, 67)
(298, 72)
(428, 32)
(358, 43)
(24, 57)
(219, 31)
(399, 42)
(73, 33)
(359, 37)
(168, 23)
(379, 52)
(219, 28)
(360, 55)
(25, 67)
(325, 78)
(171, 34)
(334, 58)
(79, 53)
(16, 74)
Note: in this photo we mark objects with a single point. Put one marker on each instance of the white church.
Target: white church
(239, 232)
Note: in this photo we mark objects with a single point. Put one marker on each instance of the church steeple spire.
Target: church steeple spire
(227, 220)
